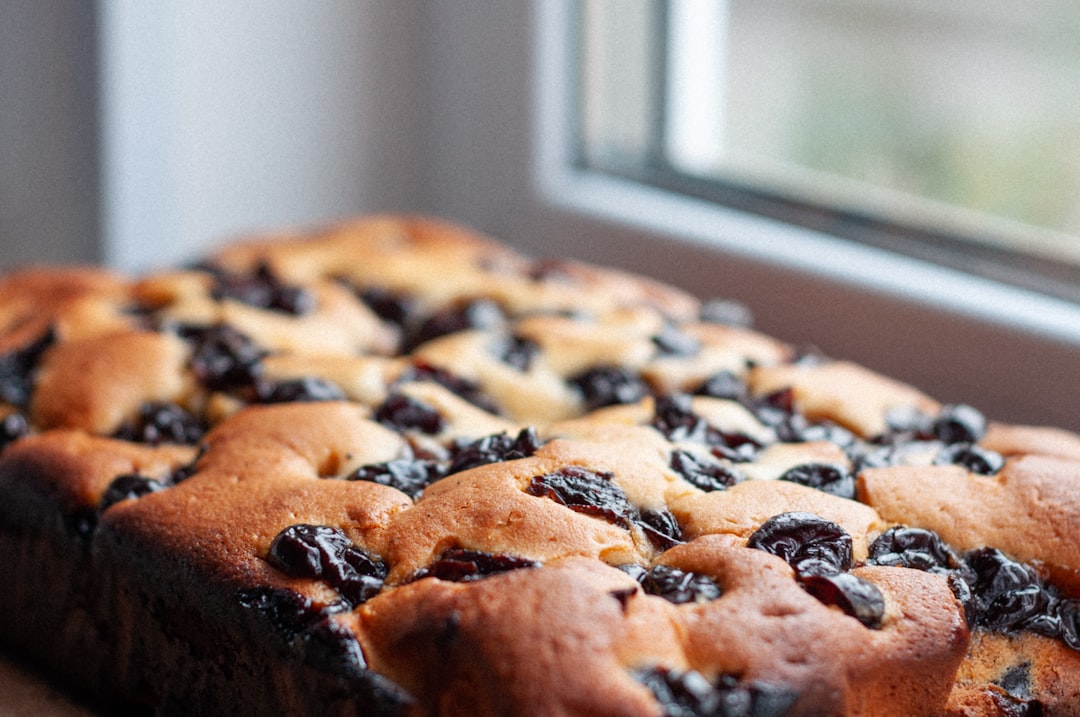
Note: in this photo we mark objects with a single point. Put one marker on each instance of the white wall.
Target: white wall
(138, 132)
(221, 118)
(48, 132)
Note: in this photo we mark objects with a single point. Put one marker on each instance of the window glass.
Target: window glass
(952, 125)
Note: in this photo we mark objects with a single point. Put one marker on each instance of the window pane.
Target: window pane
(958, 117)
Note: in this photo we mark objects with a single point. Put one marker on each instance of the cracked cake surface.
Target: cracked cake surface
(395, 467)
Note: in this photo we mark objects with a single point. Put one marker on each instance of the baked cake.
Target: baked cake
(396, 468)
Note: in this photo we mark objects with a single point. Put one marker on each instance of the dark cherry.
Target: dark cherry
(681, 693)
(672, 341)
(858, 598)
(773, 409)
(703, 473)
(586, 491)
(796, 428)
(224, 358)
(914, 548)
(517, 351)
(405, 413)
(675, 418)
(325, 553)
(825, 477)
(725, 385)
(13, 427)
(608, 386)
(159, 422)
(306, 389)
(661, 528)
(973, 457)
(961, 589)
(1007, 705)
(289, 612)
(478, 314)
(128, 486)
(461, 565)
(959, 423)
(17, 370)
(906, 422)
(309, 632)
(460, 387)
(1067, 611)
(807, 542)
(1007, 594)
(687, 693)
(726, 312)
(675, 585)
(387, 305)
(263, 290)
(495, 448)
(409, 475)
(1016, 680)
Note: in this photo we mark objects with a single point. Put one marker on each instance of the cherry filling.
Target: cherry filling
(806, 542)
(460, 387)
(517, 351)
(915, 548)
(595, 493)
(585, 491)
(17, 370)
(128, 486)
(609, 386)
(325, 553)
(310, 632)
(160, 422)
(973, 457)
(997, 592)
(223, 358)
(1008, 595)
(476, 314)
(702, 472)
(306, 389)
(261, 289)
(820, 553)
(405, 413)
(495, 448)
(671, 341)
(725, 385)
(409, 475)
(674, 585)
(688, 693)
(462, 565)
(387, 305)
(674, 417)
(825, 477)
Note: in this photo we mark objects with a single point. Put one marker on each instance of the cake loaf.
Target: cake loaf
(393, 467)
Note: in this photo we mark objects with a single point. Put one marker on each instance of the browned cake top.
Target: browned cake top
(520, 486)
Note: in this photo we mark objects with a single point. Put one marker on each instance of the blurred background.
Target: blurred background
(893, 181)
(135, 133)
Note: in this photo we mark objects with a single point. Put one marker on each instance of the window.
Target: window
(946, 131)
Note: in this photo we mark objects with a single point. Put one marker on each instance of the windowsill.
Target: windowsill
(698, 222)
